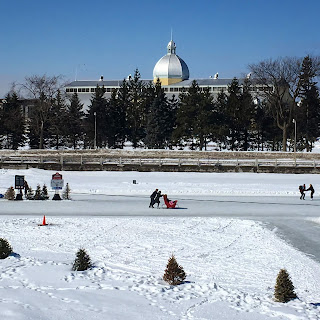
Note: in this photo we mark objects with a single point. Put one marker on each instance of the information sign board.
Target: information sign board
(19, 182)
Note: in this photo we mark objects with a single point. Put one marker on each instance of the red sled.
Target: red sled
(170, 204)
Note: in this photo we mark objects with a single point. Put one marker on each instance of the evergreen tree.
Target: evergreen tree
(58, 121)
(284, 289)
(13, 122)
(38, 194)
(5, 248)
(220, 127)
(174, 273)
(82, 261)
(66, 192)
(246, 116)
(10, 194)
(97, 115)
(308, 112)
(135, 115)
(233, 112)
(74, 116)
(194, 116)
(44, 193)
(159, 127)
(123, 102)
(115, 116)
(30, 194)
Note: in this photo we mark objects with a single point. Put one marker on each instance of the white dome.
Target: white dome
(171, 66)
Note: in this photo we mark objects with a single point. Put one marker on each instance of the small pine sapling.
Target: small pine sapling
(30, 194)
(174, 273)
(5, 248)
(10, 194)
(38, 195)
(82, 261)
(284, 289)
(66, 192)
(44, 193)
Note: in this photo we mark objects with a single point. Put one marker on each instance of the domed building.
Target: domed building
(170, 68)
(172, 71)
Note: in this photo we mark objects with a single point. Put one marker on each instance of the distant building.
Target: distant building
(172, 71)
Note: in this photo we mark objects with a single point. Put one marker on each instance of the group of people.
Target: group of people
(155, 198)
(302, 189)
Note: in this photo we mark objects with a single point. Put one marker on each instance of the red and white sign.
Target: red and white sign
(57, 181)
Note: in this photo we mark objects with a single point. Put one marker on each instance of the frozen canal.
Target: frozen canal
(291, 218)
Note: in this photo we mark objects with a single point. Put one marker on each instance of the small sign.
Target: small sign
(57, 181)
(19, 182)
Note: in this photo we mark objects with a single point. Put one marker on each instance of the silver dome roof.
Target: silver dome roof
(171, 65)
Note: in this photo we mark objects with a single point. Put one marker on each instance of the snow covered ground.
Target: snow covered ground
(231, 264)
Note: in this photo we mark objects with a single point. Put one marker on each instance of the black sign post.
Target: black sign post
(19, 184)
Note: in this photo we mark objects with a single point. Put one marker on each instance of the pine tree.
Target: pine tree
(158, 129)
(10, 194)
(5, 248)
(66, 192)
(220, 128)
(233, 112)
(174, 273)
(38, 195)
(74, 116)
(30, 194)
(115, 117)
(308, 112)
(58, 121)
(284, 289)
(82, 261)
(135, 115)
(194, 116)
(44, 193)
(97, 116)
(13, 122)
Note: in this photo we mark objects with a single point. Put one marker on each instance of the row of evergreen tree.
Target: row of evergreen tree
(145, 116)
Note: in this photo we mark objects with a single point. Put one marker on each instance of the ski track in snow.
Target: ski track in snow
(227, 261)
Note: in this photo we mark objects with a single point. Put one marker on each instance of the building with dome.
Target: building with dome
(171, 70)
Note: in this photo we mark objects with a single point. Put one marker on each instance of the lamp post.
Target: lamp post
(295, 135)
(295, 141)
(95, 131)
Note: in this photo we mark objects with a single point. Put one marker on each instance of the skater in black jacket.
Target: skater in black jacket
(157, 198)
(311, 189)
(152, 198)
(302, 190)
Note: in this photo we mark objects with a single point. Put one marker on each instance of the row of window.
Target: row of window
(172, 89)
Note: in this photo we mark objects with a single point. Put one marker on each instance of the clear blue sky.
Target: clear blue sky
(112, 38)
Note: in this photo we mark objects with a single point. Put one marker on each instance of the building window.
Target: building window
(175, 89)
(87, 89)
(92, 89)
(171, 89)
(108, 89)
(67, 90)
(165, 89)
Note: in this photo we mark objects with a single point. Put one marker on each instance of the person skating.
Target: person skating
(157, 198)
(153, 195)
(311, 189)
(302, 190)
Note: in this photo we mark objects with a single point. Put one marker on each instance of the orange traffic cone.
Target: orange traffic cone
(44, 221)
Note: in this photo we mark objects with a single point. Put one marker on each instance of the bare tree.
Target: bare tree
(277, 81)
(43, 89)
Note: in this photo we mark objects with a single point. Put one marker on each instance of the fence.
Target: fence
(93, 162)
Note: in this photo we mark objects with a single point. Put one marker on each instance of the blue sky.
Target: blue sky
(112, 38)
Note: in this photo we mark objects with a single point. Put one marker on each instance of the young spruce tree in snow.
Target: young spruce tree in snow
(44, 193)
(284, 289)
(66, 192)
(10, 194)
(82, 261)
(174, 274)
(5, 248)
